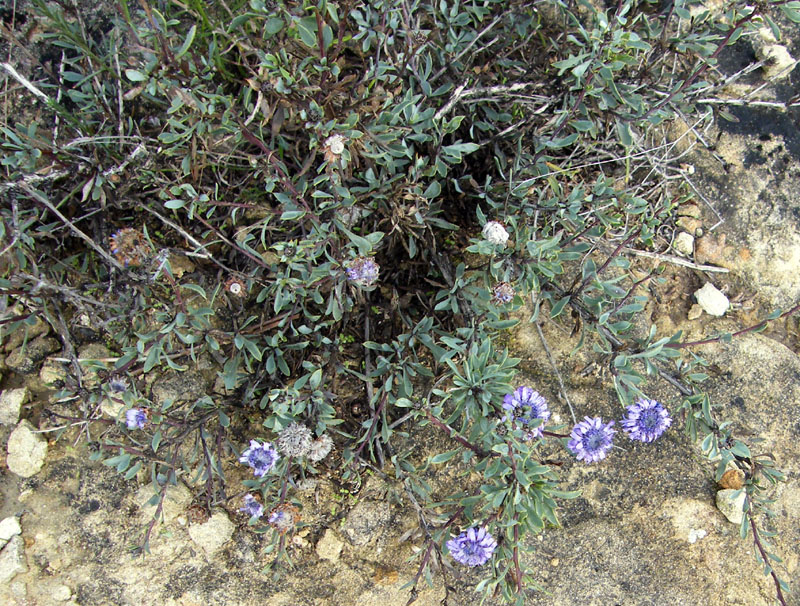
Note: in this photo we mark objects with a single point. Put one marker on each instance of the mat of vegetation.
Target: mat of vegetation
(269, 243)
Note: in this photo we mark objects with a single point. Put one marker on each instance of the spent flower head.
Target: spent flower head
(252, 507)
(526, 405)
(117, 385)
(495, 232)
(261, 457)
(284, 518)
(320, 448)
(363, 271)
(473, 547)
(591, 439)
(503, 293)
(129, 247)
(295, 440)
(645, 420)
(236, 287)
(135, 418)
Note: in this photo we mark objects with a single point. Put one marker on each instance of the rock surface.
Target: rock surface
(27, 450)
(11, 401)
(212, 534)
(711, 299)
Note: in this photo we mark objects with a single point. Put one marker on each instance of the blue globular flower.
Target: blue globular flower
(135, 418)
(526, 405)
(646, 420)
(473, 547)
(503, 293)
(363, 271)
(252, 508)
(261, 457)
(591, 439)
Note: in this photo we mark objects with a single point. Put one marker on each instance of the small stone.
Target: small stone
(689, 210)
(684, 243)
(212, 535)
(176, 499)
(27, 450)
(732, 507)
(733, 479)
(9, 528)
(12, 559)
(711, 249)
(711, 299)
(329, 547)
(52, 372)
(696, 534)
(689, 224)
(11, 401)
(61, 593)
(554, 562)
(26, 358)
(695, 311)
(112, 407)
(778, 63)
(15, 339)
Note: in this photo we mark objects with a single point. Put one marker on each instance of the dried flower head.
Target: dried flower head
(284, 518)
(261, 457)
(473, 547)
(503, 293)
(320, 448)
(591, 439)
(117, 385)
(135, 418)
(333, 147)
(526, 405)
(294, 440)
(129, 247)
(363, 271)
(495, 232)
(252, 507)
(645, 420)
(236, 287)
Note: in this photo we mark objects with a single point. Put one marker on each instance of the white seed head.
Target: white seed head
(235, 288)
(320, 448)
(335, 144)
(495, 233)
(295, 440)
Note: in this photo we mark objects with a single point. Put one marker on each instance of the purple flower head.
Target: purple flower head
(252, 507)
(646, 420)
(135, 418)
(363, 271)
(473, 547)
(261, 457)
(526, 405)
(591, 439)
(503, 293)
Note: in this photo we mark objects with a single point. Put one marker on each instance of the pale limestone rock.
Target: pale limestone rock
(27, 450)
(9, 528)
(61, 593)
(711, 299)
(329, 547)
(684, 243)
(778, 62)
(731, 507)
(11, 401)
(695, 311)
(176, 501)
(12, 559)
(213, 534)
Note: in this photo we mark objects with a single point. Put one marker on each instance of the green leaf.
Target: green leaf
(559, 307)
(186, 43)
(444, 456)
(273, 26)
(156, 441)
(135, 75)
(307, 28)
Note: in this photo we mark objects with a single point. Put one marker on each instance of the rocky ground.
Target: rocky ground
(646, 530)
